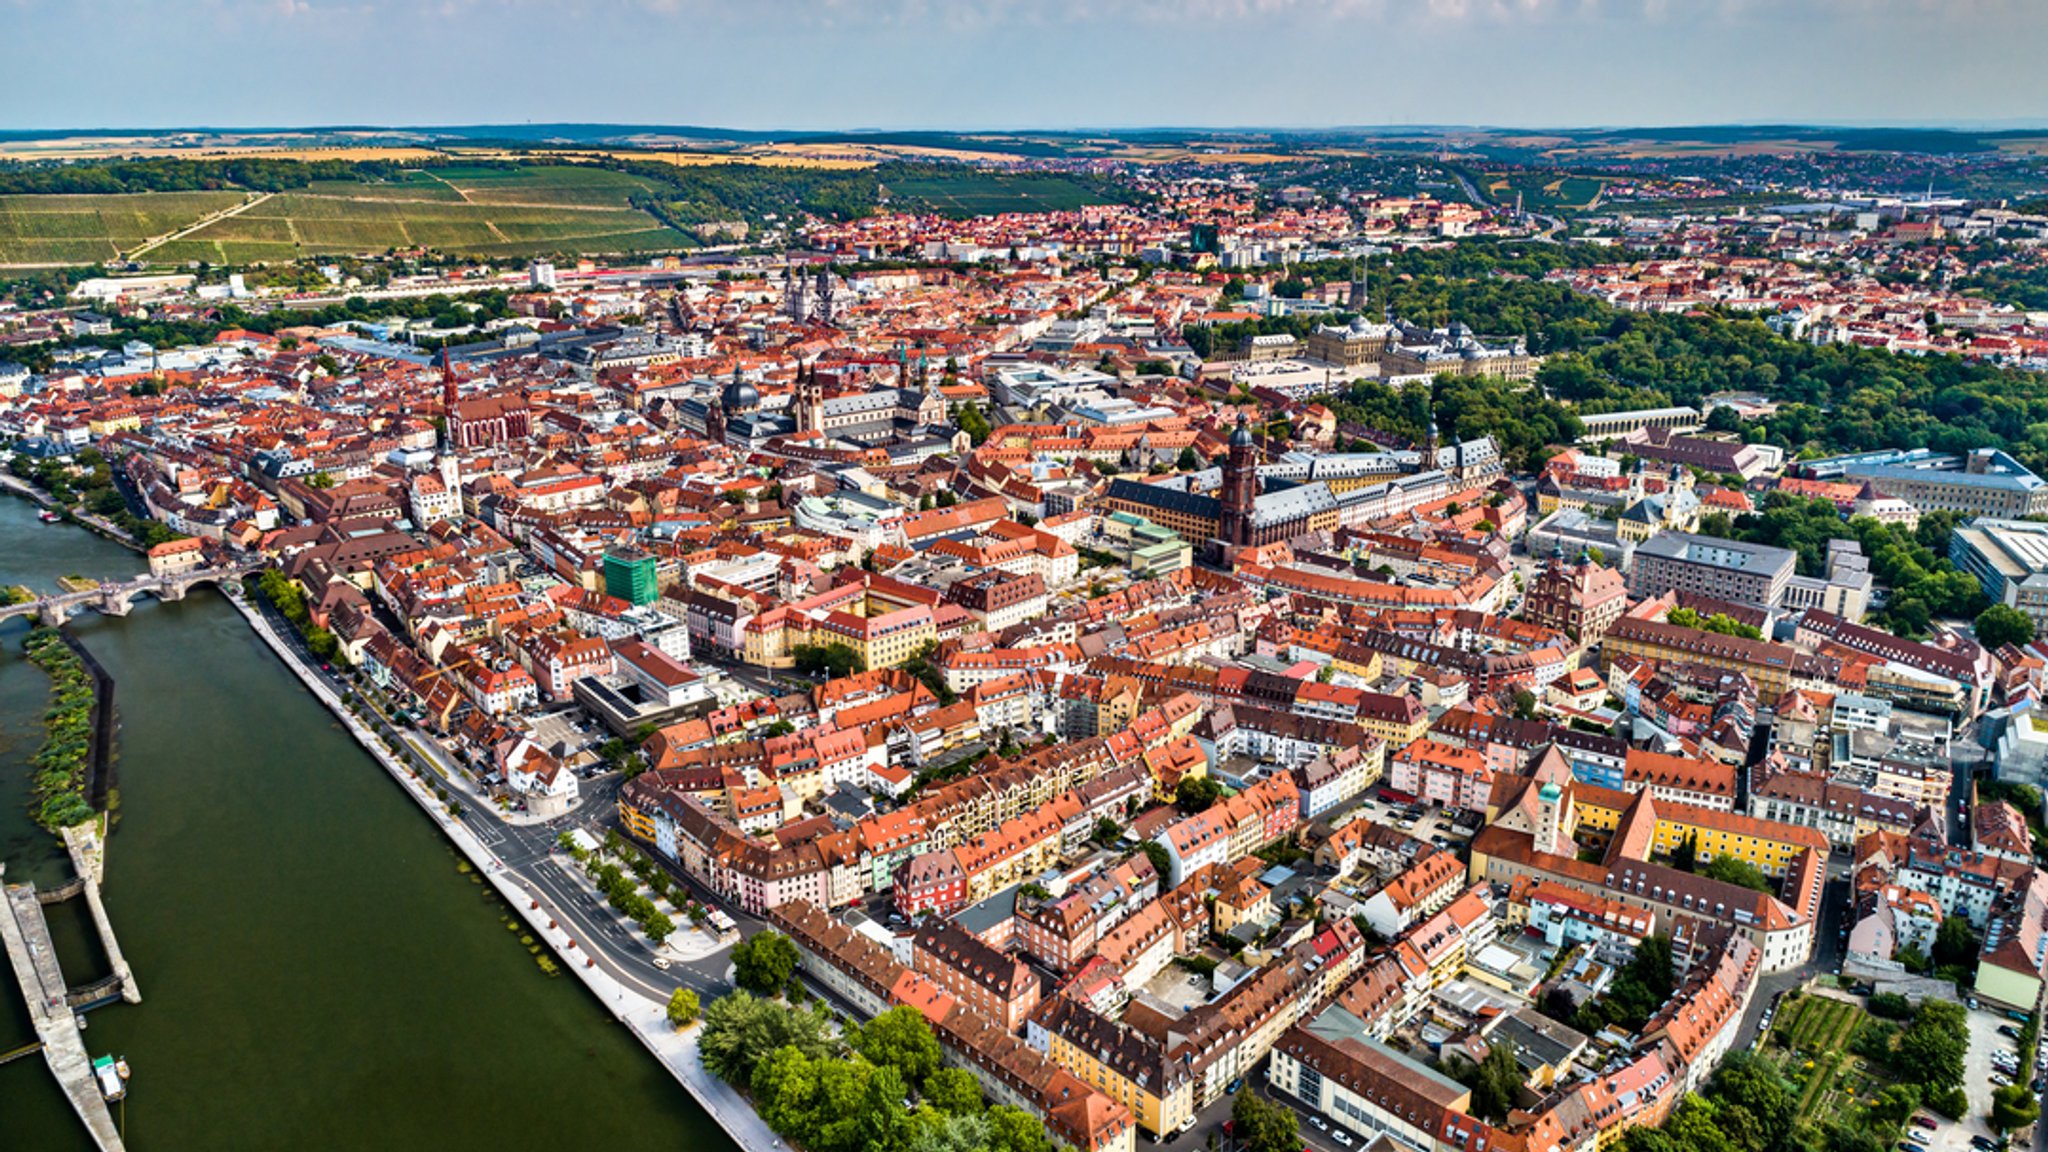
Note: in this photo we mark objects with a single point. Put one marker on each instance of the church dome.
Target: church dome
(740, 396)
(1242, 437)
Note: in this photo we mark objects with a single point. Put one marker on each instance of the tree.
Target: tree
(682, 1007)
(764, 962)
(657, 926)
(902, 1039)
(835, 660)
(1931, 1049)
(1196, 793)
(973, 423)
(1999, 625)
(1497, 1080)
(953, 1090)
(1262, 1126)
(1895, 1105)
(785, 1084)
(1524, 702)
(1188, 460)
(1014, 1130)
(1686, 856)
(1754, 1106)
(740, 1031)
(1731, 870)
(1954, 943)
(2013, 1106)
(320, 480)
(1162, 861)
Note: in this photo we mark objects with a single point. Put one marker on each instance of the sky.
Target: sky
(994, 64)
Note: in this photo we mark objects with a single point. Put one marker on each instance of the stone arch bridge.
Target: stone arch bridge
(117, 599)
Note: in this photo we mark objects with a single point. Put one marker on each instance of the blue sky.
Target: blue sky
(831, 64)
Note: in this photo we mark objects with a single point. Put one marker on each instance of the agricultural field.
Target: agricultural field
(1543, 191)
(89, 229)
(481, 211)
(975, 193)
(572, 186)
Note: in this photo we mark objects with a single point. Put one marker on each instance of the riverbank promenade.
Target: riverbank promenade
(34, 958)
(643, 1015)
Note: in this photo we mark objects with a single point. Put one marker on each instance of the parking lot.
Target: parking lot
(1953, 1135)
(1431, 825)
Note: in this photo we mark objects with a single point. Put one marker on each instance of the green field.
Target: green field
(504, 212)
(88, 229)
(576, 186)
(971, 193)
(1542, 191)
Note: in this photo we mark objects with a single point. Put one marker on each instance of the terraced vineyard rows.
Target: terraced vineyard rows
(507, 212)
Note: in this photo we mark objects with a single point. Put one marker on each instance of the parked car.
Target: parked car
(2008, 1031)
(1341, 1137)
(1319, 1122)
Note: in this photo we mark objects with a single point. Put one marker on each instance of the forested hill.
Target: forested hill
(1833, 397)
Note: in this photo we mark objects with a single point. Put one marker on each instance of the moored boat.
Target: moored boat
(112, 1075)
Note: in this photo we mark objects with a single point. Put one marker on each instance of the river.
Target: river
(317, 970)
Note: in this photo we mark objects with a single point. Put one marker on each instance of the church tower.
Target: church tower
(1240, 488)
(1356, 299)
(450, 435)
(824, 290)
(810, 401)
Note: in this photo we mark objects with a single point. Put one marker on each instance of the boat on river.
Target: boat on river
(112, 1076)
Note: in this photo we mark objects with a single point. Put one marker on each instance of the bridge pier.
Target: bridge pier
(171, 591)
(114, 604)
(89, 860)
(52, 614)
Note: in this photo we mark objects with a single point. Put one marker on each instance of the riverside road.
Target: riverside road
(530, 852)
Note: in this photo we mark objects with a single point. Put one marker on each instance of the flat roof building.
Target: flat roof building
(2010, 559)
(1710, 566)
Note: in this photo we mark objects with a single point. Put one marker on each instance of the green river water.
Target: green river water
(317, 973)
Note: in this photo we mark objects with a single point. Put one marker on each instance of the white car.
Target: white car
(1341, 1137)
(1319, 1122)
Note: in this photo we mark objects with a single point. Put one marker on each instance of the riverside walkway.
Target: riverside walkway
(643, 1010)
(34, 959)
